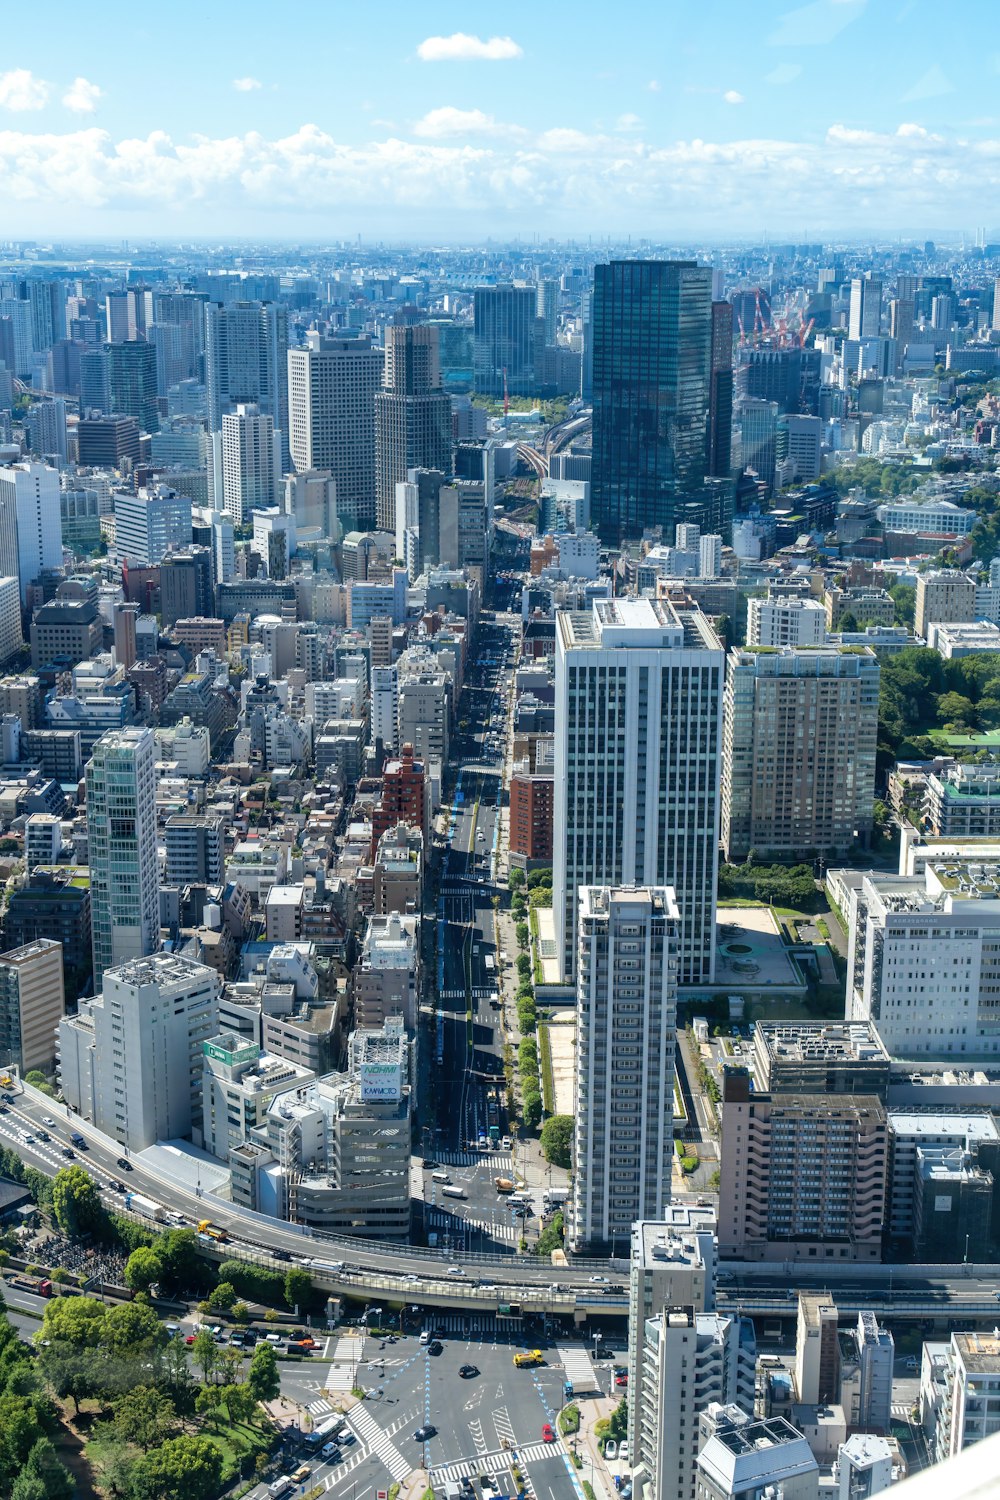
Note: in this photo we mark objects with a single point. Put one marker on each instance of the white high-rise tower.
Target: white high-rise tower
(121, 836)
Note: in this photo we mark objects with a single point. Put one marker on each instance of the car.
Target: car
(611, 1449)
(911, 1359)
(118, 1187)
(455, 1271)
(599, 1279)
(68, 1151)
(548, 1436)
(43, 1135)
(435, 1346)
(189, 1339)
(621, 1380)
(469, 1372)
(411, 1277)
(4, 1110)
(281, 1254)
(429, 1162)
(124, 1163)
(47, 1120)
(425, 1433)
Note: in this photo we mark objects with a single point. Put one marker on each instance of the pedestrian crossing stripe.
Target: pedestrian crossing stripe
(319, 1408)
(492, 1463)
(370, 1433)
(473, 1158)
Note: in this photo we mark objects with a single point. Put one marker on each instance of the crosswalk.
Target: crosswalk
(470, 1325)
(491, 1463)
(370, 1433)
(346, 1353)
(498, 1160)
(319, 1408)
(493, 1229)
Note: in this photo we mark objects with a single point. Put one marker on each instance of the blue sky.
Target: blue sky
(442, 121)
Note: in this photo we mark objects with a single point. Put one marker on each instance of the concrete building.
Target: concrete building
(952, 639)
(65, 632)
(780, 620)
(971, 1408)
(239, 1081)
(150, 523)
(397, 879)
(251, 463)
(532, 807)
(819, 1057)
(387, 977)
(121, 838)
(284, 906)
(944, 595)
(130, 1061)
(424, 715)
(933, 1166)
(331, 399)
(412, 414)
(870, 1407)
(865, 313)
(195, 846)
(747, 1458)
(54, 904)
(624, 1081)
(30, 523)
(11, 635)
(637, 719)
(869, 606)
(924, 959)
(32, 1003)
(865, 1466)
(799, 741)
(963, 802)
(803, 1177)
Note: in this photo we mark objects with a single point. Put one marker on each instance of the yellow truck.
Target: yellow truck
(212, 1231)
(527, 1358)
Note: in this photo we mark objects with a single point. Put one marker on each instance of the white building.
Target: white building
(385, 707)
(121, 839)
(274, 540)
(924, 960)
(130, 1061)
(785, 621)
(185, 745)
(746, 1458)
(971, 1407)
(926, 517)
(709, 556)
(29, 494)
(579, 554)
(864, 1467)
(11, 635)
(331, 400)
(963, 637)
(251, 462)
(239, 1081)
(624, 1081)
(638, 728)
(150, 523)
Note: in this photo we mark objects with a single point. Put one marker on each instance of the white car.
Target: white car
(455, 1271)
(47, 1120)
(611, 1449)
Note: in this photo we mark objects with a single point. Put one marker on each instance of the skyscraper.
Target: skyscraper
(638, 727)
(412, 414)
(865, 317)
(626, 1013)
(246, 362)
(121, 834)
(504, 339)
(150, 523)
(720, 408)
(331, 405)
(652, 367)
(31, 519)
(251, 462)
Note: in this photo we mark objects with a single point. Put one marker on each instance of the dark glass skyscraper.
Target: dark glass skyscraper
(652, 337)
(506, 322)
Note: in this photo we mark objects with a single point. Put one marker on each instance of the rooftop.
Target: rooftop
(979, 1352)
(821, 1041)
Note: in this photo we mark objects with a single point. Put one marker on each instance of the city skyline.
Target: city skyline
(830, 115)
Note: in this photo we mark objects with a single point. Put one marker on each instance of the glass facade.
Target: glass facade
(652, 368)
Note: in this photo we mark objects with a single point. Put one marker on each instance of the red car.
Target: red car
(548, 1436)
(621, 1380)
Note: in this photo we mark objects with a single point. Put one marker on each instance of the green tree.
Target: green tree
(515, 879)
(143, 1268)
(557, 1140)
(298, 1288)
(522, 934)
(904, 597)
(262, 1376)
(240, 1402)
(222, 1297)
(145, 1416)
(183, 1466)
(43, 1464)
(183, 1268)
(208, 1403)
(531, 1106)
(204, 1353)
(551, 1237)
(76, 1202)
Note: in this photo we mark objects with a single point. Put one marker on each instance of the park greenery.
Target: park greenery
(778, 885)
(531, 1092)
(557, 1140)
(923, 695)
(551, 1237)
(29, 1466)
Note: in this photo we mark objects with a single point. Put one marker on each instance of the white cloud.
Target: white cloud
(21, 90)
(246, 85)
(733, 96)
(438, 124)
(460, 47)
(82, 97)
(626, 123)
(90, 183)
(654, 85)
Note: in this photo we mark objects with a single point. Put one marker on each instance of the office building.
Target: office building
(331, 396)
(251, 462)
(424, 714)
(720, 405)
(412, 414)
(405, 795)
(32, 1003)
(923, 960)
(150, 523)
(186, 590)
(945, 596)
(782, 620)
(798, 760)
(865, 315)
(311, 500)
(121, 835)
(54, 905)
(107, 442)
(30, 523)
(505, 319)
(817, 1370)
(652, 369)
(819, 1057)
(798, 449)
(767, 373)
(45, 428)
(917, 517)
(637, 726)
(386, 979)
(239, 1081)
(865, 1466)
(65, 632)
(131, 1060)
(870, 1408)
(709, 556)
(246, 360)
(750, 1458)
(385, 707)
(532, 806)
(397, 879)
(803, 1177)
(11, 635)
(624, 1081)
(759, 439)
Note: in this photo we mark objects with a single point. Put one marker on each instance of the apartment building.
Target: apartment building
(32, 1003)
(947, 596)
(963, 802)
(803, 1177)
(195, 847)
(783, 621)
(971, 1407)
